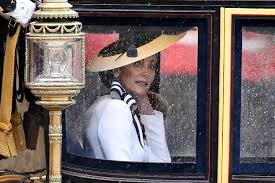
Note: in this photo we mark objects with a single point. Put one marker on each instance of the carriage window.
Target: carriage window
(254, 98)
(176, 81)
(179, 84)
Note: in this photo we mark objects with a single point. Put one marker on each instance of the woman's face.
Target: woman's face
(138, 77)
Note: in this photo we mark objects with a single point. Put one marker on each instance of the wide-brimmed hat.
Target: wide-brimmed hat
(132, 47)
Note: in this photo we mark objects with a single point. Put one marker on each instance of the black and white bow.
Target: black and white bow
(118, 92)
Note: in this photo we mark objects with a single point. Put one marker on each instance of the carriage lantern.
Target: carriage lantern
(55, 68)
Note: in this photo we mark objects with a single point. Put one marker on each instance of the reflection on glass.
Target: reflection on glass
(51, 60)
(257, 95)
(178, 85)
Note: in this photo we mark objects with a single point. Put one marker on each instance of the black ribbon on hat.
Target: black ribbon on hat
(132, 50)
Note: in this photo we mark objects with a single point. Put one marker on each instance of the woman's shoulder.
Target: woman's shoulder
(106, 107)
(110, 111)
(107, 103)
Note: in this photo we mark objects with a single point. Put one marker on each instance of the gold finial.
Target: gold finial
(55, 9)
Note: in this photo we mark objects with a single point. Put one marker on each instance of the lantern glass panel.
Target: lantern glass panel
(55, 60)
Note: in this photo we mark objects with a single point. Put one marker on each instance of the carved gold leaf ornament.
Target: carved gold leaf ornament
(55, 178)
(55, 140)
(55, 129)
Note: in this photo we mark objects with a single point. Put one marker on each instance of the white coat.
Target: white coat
(112, 135)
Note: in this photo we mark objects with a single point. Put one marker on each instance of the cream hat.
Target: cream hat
(116, 54)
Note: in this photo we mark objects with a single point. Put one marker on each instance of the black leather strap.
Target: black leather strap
(12, 26)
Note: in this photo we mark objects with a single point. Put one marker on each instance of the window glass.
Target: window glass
(176, 81)
(178, 84)
(182, 83)
(257, 123)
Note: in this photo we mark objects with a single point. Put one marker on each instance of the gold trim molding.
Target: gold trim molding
(55, 27)
(225, 109)
(55, 140)
(55, 9)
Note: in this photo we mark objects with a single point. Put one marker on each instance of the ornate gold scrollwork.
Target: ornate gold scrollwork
(54, 139)
(55, 129)
(55, 178)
